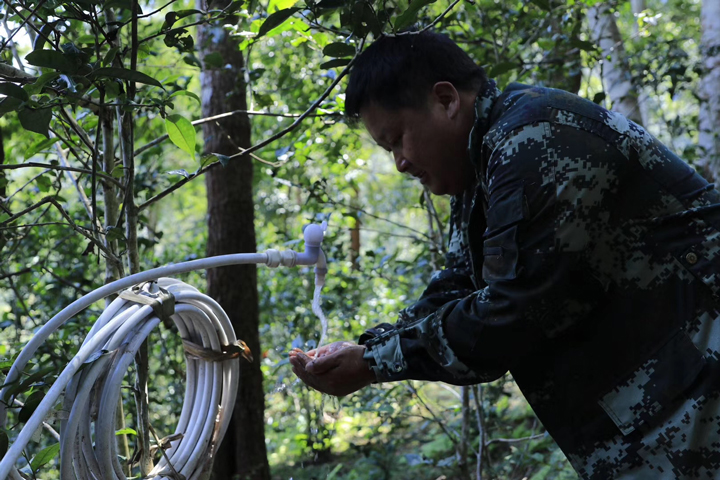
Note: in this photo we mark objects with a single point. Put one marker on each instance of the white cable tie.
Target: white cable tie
(273, 258)
(161, 301)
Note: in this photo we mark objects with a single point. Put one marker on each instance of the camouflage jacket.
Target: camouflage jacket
(586, 261)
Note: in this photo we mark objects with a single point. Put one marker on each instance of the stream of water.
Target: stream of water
(317, 310)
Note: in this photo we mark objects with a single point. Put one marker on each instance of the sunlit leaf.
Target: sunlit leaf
(126, 431)
(181, 133)
(39, 146)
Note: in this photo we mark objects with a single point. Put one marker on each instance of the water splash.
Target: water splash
(317, 310)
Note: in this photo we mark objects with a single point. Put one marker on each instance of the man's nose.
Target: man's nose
(401, 164)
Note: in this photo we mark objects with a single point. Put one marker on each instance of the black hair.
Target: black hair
(399, 71)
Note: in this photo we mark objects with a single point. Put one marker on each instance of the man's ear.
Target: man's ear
(446, 95)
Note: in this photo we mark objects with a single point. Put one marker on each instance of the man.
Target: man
(583, 259)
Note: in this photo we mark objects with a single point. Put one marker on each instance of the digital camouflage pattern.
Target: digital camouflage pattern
(586, 261)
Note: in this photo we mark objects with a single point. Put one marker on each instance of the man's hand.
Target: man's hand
(336, 369)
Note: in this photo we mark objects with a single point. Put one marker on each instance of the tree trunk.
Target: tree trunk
(709, 91)
(615, 71)
(231, 230)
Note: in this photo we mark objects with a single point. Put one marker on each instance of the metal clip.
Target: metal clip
(161, 301)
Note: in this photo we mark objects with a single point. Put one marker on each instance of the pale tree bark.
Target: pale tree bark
(709, 91)
(231, 230)
(616, 75)
(639, 6)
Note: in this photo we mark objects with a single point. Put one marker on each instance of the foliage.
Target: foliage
(90, 64)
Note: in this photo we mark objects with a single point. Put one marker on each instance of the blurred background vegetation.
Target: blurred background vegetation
(73, 72)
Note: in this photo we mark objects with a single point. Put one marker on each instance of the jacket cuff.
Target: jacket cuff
(374, 332)
(385, 357)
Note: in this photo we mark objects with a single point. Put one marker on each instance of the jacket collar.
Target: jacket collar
(484, 103)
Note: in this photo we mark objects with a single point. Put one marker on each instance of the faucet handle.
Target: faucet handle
(314, 234)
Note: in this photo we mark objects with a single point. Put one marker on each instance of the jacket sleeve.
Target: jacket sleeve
(548, 192)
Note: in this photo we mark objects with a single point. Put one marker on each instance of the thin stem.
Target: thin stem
(29, 23)
(82, 231)
(9, 39)
(258, 146)
(62, 168)
(162, 138)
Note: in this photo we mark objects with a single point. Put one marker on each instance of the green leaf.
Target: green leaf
(51, 59)
(223, 159)
(339, 49)
(43, 183)
(4, 443)
(338, 62)
(181, 133)
(543, 4)
(9, 104)
(502, 67)
(582, 44)
(31, 404)
(125, 74)
(275, 20)
(44, 456)
(12, 90)
(36, 120)
(114, 233)
(110, 56)
(277, 5)
(39, 146)
(214, 60)
(44, 79)
(186, 93)
(126, 431)
(408, 16)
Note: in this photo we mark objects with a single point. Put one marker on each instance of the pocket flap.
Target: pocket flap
(655, 385)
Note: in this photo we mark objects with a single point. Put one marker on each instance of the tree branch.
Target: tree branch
(48, 166)
(255, 147)
(70, 221)
(162, 138)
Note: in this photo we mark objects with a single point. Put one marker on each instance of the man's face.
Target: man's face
(429, 143)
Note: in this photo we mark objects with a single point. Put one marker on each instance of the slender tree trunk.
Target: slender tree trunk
(615, 71)
(709, 91)
(231, 230)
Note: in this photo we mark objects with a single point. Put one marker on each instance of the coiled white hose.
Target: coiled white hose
(210, 387)
(110, 347)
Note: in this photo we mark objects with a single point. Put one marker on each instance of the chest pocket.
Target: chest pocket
(500, 247)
